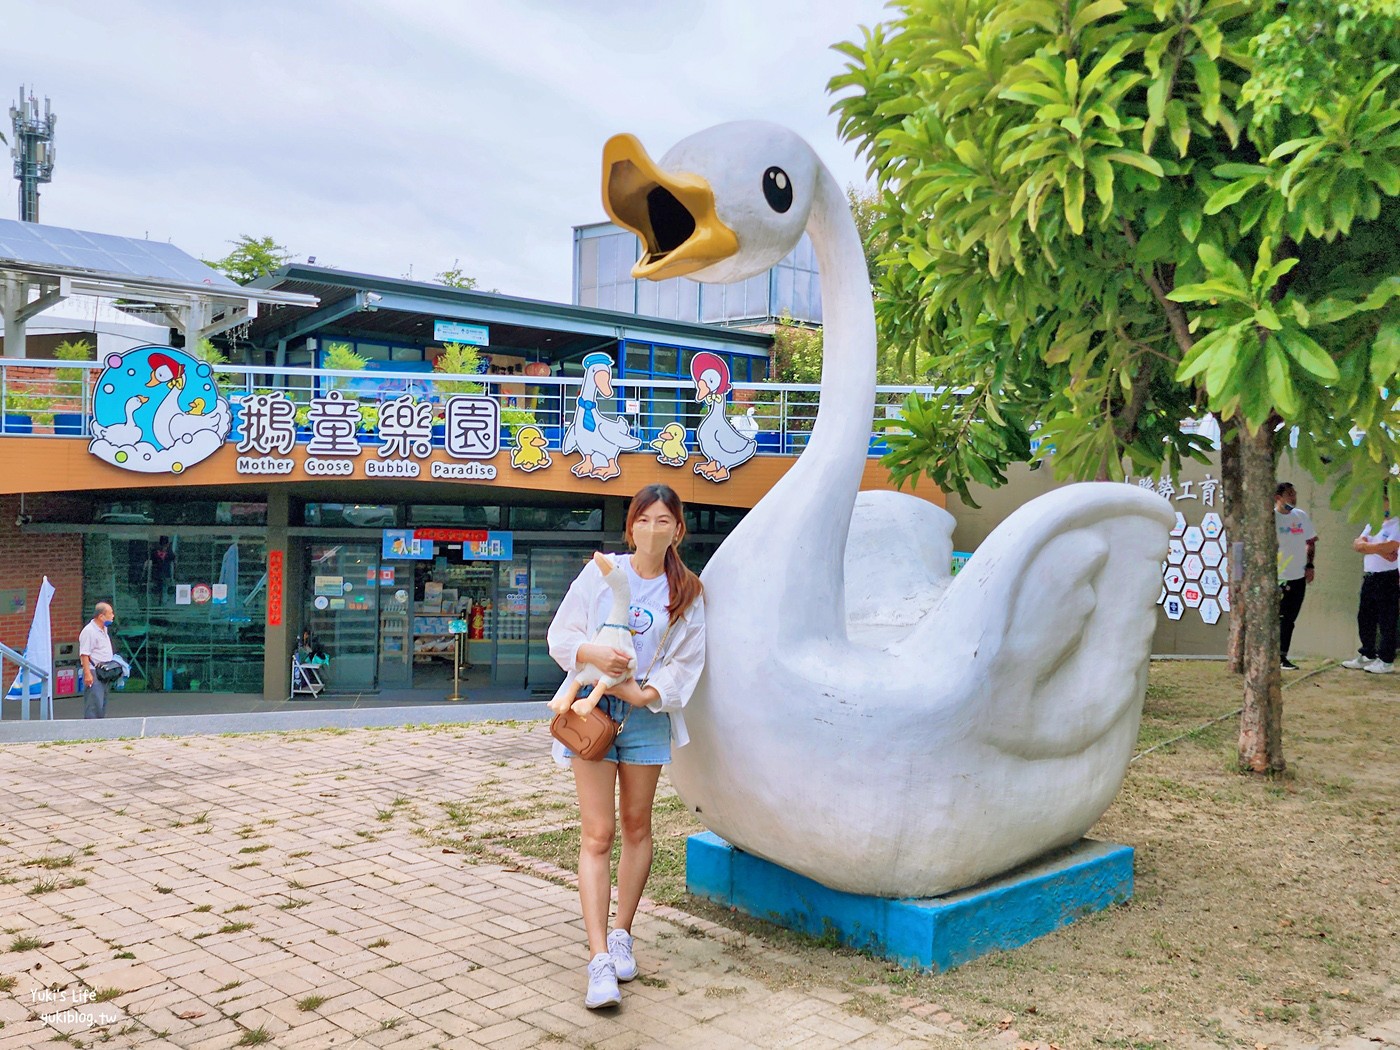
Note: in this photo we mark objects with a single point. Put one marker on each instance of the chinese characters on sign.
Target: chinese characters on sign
(274, 588)
(1195, 576)
(471, 425)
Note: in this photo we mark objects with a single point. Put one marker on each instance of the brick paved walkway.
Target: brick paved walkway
(287, 890)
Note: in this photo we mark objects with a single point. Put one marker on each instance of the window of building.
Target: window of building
(352, 515)
(190, 609)
(581, 519)
(465, 517)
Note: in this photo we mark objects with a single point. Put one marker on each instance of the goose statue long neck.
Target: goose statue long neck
(810, 507)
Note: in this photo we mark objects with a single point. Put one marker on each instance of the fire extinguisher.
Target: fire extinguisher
(476, 624)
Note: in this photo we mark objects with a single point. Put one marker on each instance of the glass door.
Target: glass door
(342, 609)
(552, 570)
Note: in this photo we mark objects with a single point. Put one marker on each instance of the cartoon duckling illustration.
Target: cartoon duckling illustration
(531, 451)
(670, 445)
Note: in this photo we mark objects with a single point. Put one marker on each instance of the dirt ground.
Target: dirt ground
(1265, 913)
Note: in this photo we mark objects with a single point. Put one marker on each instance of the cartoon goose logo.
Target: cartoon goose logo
(156, 410)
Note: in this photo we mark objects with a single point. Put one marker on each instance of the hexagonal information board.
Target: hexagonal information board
(1196, 572)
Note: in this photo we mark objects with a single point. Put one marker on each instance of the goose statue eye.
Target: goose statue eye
(777, 188)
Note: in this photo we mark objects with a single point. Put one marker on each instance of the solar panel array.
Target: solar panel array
(32, 244)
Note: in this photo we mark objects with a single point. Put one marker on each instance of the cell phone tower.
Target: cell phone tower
(33, 151)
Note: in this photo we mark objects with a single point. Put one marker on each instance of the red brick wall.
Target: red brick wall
(24, 562)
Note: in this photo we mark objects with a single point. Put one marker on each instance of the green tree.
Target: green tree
(866, 210)
(1108, 216)
(251, 258)
(454, 277)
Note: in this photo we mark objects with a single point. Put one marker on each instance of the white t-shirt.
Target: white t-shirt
(647, 616)
(1295, 529)
(1389, 531)
(95, 643)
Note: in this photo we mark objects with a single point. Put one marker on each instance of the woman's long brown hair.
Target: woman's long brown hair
(684, 585)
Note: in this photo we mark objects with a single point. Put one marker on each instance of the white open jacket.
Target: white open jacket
(678, 664)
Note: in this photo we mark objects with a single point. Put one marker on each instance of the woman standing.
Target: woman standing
(667, 618)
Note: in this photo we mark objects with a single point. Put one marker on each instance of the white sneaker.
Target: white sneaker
(602, 983)
(1357, 663)
(1380, 667)
(620, 948)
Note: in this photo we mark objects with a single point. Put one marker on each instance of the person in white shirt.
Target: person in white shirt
(667, 618)
(1379, 607)
(95, 649)
(1297, 547)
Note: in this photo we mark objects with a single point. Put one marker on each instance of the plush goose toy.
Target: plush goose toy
(948, 730)
(616, 634)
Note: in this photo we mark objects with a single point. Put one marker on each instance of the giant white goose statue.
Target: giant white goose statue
(862, 719)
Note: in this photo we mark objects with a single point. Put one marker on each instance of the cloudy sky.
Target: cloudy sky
(389, 135)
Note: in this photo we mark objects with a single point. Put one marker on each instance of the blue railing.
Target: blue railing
(54, 399)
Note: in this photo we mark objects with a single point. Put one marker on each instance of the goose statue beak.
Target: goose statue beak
(672, 212)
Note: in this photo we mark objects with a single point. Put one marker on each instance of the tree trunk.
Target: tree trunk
(1261, 724)
(1233, 497)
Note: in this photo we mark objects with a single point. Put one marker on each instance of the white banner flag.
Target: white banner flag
(39, 651)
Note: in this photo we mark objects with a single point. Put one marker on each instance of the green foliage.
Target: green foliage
(457, 359)
(454, 277)
(515, 418)
(340, 356)
(1102, 218)
(37, 406)
(216, 359)
(865, 209)
(72, 350)
(797, 358)
(251, 258)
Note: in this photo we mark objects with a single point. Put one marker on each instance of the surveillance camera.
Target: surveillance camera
(23, 520)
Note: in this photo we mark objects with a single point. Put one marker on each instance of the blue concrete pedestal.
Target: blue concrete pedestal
(934, 933)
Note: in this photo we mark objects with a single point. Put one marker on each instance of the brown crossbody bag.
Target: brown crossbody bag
(589, 736)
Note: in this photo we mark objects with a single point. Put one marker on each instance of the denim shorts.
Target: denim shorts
(644, 741)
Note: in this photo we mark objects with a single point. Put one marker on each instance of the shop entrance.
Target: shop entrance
(384, 624)
(342, 612)
(443, 594)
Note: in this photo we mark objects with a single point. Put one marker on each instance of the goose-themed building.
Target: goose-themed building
(320, 472)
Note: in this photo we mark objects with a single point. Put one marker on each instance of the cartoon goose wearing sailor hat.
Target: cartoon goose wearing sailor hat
(596, 437)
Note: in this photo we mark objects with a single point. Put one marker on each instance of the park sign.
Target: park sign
(335, 425)
(1196, 575)
(158, 410)
(460, 332)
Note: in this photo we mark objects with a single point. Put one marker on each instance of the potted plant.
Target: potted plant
(70, 386)
(512, 419)
(455, 359)
(24, 410)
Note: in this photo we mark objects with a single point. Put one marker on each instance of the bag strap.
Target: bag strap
(642, 681)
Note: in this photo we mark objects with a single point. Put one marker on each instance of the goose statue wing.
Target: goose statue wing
(1055, 610)
(570, 440)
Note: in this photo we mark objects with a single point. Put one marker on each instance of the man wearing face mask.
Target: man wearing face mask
(1297, 545)
(95, 649)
